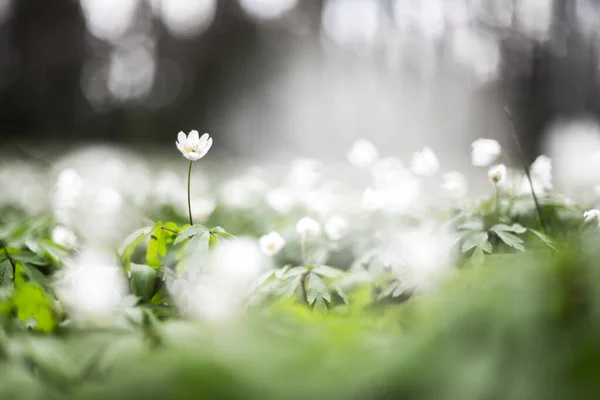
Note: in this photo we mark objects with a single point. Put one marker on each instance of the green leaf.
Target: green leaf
(511, 240)
(142, 280)
(34, 275)
(544, 238)
(289, 286)
(341, 293)
(198, 243)
(29, 258)
(477, 257)
(475, 239)
(516, 228)
(157, 246)
(31, 301)
(6, 273)
(132, 241)
(222, 233)
(327, 271)
(315, 288)
(194, 230)
(294, 272)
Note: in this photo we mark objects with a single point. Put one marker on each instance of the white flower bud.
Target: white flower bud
(363, 154)
(425, 162)
(308, 227)
(484, 152)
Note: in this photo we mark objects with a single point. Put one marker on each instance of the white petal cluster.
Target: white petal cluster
(455, 184)
(64, 236)
(484, 152)
(308, 227)
(92, 286)
(497, 174)
(425, 162)
(193, 147)
(336, 227)
(363, 154)
(271, 243)
(591, 216)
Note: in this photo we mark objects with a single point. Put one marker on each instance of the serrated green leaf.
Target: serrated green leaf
(142, 280)
(294, 272)
(157, 246)
(6, 273)
(34, 275)
(475, 239)
(198, 243)
(544, 238)
(29, 258)
(341, 293)
(326, 271)
(222, 233)
(194, 230)
(132, 241)
(477, 257)
(516, 228)
(511, 240)
(289, 286)
(315, 288)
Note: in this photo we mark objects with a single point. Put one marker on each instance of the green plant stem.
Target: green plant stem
(497, 203)
(538, 208)
(190, 193)
(303, 250)
(170, 230)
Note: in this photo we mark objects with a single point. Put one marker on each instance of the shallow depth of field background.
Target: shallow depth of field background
(280, 78)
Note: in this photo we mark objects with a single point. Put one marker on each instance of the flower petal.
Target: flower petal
(193, 138)
(181, 138)
(204, 137)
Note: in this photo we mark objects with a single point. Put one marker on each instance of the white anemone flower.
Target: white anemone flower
(336, 227)
(271, 243)
(307, 227)
(484, 152)
(63, 236)
(193, 147)
(592, 216)
(425, 162)
(497, 174)
(363, 154)
(455, 184)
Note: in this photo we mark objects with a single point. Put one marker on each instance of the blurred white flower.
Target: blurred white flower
(92, 286)
(193, 147)
(484, 152)
(336, 227)
(425, 162)
(363, 154)
(280, 200)
(592, 216)
(455, 184)
(427, 253)
(372, 199)
(497, 174)
(572, 146)
(202, 208)
(541, 176)
(63, 236)
(271, 243)
(228, 277)
(305, 173)
(244, 192)
(308, 227)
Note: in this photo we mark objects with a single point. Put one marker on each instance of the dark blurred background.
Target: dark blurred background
(264, 75)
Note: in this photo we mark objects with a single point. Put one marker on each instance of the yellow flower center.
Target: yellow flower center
(190, 148)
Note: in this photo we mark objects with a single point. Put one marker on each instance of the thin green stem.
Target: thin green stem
(538, 208)
(303, 249)
(190, 193)
(497, 203)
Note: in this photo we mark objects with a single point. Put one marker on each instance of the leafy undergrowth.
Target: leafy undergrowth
(473, 299)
